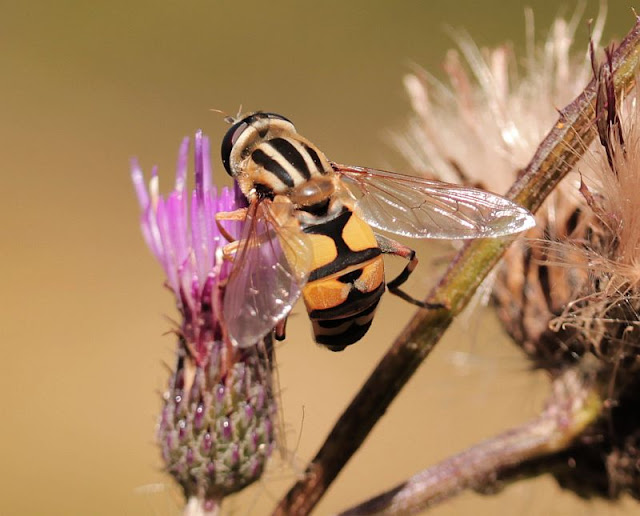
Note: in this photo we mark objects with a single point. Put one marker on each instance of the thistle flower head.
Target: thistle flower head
(180, 229)
(216, 428)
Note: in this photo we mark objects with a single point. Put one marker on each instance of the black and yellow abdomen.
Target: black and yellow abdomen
(346, 280)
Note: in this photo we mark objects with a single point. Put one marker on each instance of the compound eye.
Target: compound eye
(229, 141)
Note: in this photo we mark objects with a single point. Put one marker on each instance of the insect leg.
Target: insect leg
(281, 329)
(229, 250)
(237, 216)
(388, 246)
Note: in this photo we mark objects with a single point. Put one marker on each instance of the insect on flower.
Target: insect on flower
(219, 420)
(309, 232)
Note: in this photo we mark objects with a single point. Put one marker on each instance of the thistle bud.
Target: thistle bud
(216, 429)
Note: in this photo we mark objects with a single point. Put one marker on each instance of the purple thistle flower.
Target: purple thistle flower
(215, 429)
(181, 231)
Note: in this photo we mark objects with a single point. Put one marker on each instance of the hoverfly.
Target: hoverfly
(309, 231)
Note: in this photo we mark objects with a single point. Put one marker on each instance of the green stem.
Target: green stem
(556, 155)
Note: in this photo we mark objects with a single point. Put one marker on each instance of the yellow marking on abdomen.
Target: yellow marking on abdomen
(324, 250)
(372, 275)
(325, 293)
(358, 235)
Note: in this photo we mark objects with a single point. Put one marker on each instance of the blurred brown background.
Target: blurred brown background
(87, 85)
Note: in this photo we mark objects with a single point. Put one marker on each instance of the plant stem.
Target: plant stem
(574, 404)
(199, 507)
(556, 155)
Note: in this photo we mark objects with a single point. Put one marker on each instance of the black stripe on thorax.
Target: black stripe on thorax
(288, 151)
(315, 158)
(261, 159)
(345, 256)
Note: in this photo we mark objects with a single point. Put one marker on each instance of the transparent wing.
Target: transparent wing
(270, 267)
(421, 208)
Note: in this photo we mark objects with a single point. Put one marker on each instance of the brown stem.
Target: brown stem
(575, 402)
(555, 156)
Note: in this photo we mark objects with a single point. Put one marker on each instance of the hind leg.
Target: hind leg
(388, 246)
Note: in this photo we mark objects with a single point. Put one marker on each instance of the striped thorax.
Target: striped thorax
(268, 157)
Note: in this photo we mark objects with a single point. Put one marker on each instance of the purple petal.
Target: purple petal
(170, 262)
(207, 172)
(151, 233)
(181, 169)
(138, 184)
(199, 165)
(180, 228)
(197, 242)
(176, 226)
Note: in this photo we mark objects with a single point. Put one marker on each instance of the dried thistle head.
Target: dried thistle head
(605, 311)
(483, 125)
(571, 298)
(585, 275)
(482, 128)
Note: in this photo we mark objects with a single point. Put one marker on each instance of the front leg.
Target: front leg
(388, 246)
(280, 329)
(235, 216)
(229, 251)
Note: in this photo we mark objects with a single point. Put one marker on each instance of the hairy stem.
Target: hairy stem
(575, 402)
(555, 156)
